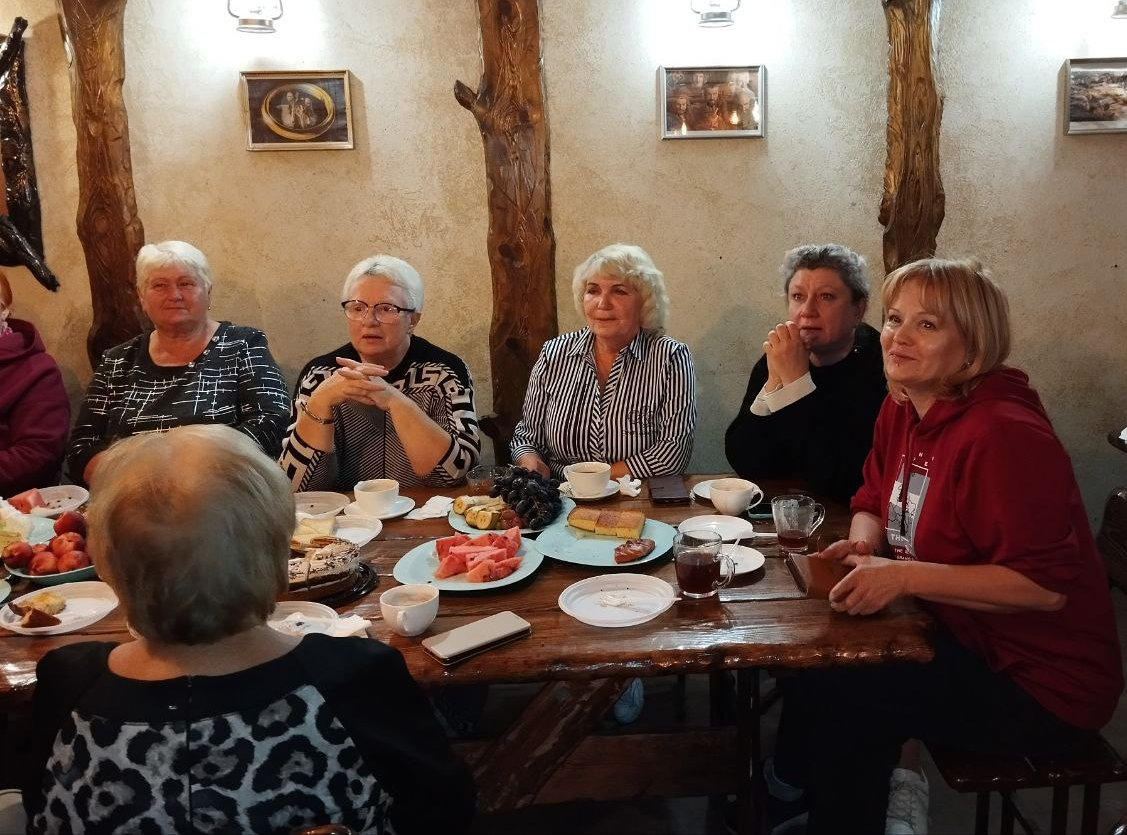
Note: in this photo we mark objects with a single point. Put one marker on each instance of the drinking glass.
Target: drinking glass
(796, 517)
(702, 570)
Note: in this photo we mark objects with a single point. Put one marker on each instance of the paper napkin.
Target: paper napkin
(629, 486)
(435, 507)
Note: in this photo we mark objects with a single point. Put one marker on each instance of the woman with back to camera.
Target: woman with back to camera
(211, 721)
(970, 500)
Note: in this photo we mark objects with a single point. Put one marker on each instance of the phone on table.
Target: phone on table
(669, 489)
(462, 642)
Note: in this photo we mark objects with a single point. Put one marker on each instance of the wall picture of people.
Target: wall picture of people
(297, 111)
(711, 102)
(1097, 95)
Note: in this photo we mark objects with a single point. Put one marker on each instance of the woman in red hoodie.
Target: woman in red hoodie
(969, 504)
(34, 411)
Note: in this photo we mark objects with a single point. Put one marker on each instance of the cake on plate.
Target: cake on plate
(321, 566)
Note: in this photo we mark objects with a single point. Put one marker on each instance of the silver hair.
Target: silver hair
(849, 266)
(635, 265)
(173, 253)
(395, 270)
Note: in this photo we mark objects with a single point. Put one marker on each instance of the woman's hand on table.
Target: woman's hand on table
(873, 583)
(532, 461)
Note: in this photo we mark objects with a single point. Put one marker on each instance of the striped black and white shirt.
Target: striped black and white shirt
(646, 415)
(235, 381)
(365, 443)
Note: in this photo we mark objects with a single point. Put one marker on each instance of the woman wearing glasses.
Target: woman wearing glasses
(387, 404)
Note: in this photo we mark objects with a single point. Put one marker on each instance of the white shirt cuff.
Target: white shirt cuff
(767, 403)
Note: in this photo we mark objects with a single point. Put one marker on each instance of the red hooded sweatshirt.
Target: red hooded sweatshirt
(34, 412)
(990, 483)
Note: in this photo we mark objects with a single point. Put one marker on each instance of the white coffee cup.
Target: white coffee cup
(377, 495)
(588, 478)
(410, 609)
(733, 496)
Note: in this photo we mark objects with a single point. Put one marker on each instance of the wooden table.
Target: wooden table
(549, 754)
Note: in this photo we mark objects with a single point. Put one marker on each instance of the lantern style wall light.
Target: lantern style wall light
(714, 13)
(255, 15)
(1120, 10)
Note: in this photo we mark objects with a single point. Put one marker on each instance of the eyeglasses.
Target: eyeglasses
(385, 312)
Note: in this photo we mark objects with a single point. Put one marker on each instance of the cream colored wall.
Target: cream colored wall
(281, 229)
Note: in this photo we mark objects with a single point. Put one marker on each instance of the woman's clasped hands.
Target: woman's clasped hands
(873, 583)
(358, 382)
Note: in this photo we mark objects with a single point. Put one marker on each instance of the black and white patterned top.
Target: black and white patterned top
(646, 415)
(235, 381)
(333, 731)
(365, 441)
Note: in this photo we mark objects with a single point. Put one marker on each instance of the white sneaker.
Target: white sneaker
(907, 803)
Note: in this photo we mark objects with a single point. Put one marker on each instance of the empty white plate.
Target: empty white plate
(617, 599)
(746, 559)
(359, 530)
(319, 504)
(398, 507)
(730, 528)
(59, 499)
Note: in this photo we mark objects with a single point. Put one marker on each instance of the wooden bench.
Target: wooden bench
(1091, 766)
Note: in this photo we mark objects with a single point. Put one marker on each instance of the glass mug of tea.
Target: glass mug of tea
(702, 570)
(796, 517)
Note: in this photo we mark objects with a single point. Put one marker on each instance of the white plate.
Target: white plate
(562, 542)
(610, 490)
(418, 566)
(746, 559)
(5, 590)
(87, 602)
(310, 617)
(319, 504)
(42, 530)
(359, 530)
(730, 528)
(61, 498)
(645, 598)
(402, 505)
(458, 522)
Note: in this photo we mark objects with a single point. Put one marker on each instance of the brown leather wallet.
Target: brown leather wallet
(815, 576)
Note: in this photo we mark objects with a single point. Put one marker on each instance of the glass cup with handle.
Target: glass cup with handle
(796, 517)
(702, 569)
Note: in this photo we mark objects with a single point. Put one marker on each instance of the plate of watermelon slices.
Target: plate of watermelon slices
(464, 563)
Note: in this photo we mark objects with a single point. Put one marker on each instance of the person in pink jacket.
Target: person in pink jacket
(34, 411)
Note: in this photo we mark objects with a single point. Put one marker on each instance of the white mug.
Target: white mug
(377, 495)
(588, 478)
(410, 609)
(733, 496)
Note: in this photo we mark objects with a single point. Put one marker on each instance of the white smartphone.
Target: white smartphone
(463, 641)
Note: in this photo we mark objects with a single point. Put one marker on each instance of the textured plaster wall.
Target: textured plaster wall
(1045, 210)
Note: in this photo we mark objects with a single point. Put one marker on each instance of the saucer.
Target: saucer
(746, 559)
(730, 528)
(611, 488)
(400, 506)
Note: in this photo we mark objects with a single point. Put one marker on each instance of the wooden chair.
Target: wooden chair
(1092, 765)
(1112, 538)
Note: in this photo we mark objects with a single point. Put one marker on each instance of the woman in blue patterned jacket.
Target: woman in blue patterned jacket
(618, 390)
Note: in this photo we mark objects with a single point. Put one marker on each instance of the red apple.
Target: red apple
(72, 560)
(44, 563)
(71, 521)
(41, 546)
(67, 542)
(17, 554)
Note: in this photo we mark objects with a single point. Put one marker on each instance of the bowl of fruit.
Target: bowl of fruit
(61, 559)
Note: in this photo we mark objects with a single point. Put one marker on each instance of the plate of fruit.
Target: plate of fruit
(462, 563)
(519, 498)
(53, 554)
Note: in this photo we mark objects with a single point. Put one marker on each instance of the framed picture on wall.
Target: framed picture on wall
(297, 111)
(1097, 95)
(711, 102)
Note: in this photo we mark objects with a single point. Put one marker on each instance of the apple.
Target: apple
(67, 542)
(17, 554)
(40, 546)
(71, 521)
(44, 563)
(72, 560)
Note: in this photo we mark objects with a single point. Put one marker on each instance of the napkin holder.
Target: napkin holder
(815, 576)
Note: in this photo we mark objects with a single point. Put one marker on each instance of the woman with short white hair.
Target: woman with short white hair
(210, 720)
(188, 369)
(388, 403)
(618, 390)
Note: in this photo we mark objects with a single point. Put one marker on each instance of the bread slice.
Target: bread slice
(583, 518)
(630, 524)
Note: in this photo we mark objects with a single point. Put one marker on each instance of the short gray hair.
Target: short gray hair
(635, 265)
(191, 528)
(395, 270)
(849, 266)
(173, 253)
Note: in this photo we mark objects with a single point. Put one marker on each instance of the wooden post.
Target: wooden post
(911, 209)
(509, 108)
(108, 225)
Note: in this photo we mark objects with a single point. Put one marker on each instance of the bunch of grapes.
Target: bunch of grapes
(533, 501)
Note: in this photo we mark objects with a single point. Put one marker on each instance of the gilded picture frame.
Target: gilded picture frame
(297, 110)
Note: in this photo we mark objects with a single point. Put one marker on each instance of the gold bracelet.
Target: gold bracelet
(313, 417)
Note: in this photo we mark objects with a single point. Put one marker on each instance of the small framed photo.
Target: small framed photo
(1097, 95)
(298, 110)
(711, 102)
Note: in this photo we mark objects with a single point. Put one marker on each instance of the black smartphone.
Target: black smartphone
(668, 489)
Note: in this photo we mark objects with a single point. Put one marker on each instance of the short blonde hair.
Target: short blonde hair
(635, 265)
(191, 528)
(963, 291)
(173, 253)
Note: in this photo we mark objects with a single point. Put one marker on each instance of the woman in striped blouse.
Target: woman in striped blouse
(618, 390)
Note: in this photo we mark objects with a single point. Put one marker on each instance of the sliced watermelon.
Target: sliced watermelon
(481, 572)
(442, 546)
(450, 565)
(25, 501)
(500, 572)
(483, 539)
(513, 563)
(513, 534)
(495, 554)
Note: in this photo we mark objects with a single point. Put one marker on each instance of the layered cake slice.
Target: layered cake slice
(321, 566)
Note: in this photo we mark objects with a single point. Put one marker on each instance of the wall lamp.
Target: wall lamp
(255, 15)
(1120, 10)
(716, 13)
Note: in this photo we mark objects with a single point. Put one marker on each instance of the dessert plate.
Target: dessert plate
(617, 599)
(746, 559)
(359, 530)
(562, 542)
(399, 507)
(61, 498)
(87, 603)
(418, 565)
(459, 523)
(301, 617)
(319, 504)
(730, 528)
